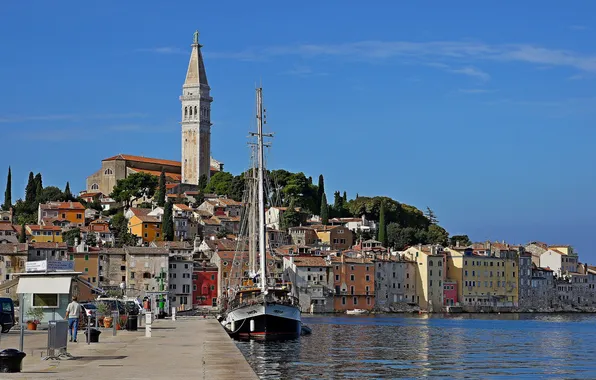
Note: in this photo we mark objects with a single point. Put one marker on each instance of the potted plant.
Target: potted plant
(36, 315)
(104, 309)
(121, 323)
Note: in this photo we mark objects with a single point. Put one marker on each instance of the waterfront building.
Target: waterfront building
(450, 292)
(354, 283)
(146, 269)
(536, 248)
(525, 279)
(543, 288)
(204, 285)
(483, 280)
(561, 260)
(431, 275)
(312, 279)
(395, 281)
(180, 270)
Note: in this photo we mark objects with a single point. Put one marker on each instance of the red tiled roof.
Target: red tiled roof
(157, 173)
(36, 227)
(48, 245)
(6, 226)
(309, 261)
(183, 207)
(147, 160)
(62, 206)
(10, 248)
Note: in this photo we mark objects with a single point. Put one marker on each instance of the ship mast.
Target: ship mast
(261, 188)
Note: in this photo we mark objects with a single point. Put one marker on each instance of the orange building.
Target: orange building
(144, 225)
(86, 262)
(73, 212)
(354, 283)
(337, 237)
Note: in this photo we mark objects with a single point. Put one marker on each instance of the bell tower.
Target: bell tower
(196, 118)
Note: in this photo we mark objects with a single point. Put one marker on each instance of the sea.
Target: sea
(445, 346)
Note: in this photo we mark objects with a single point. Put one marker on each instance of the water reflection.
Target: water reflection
(450, 346)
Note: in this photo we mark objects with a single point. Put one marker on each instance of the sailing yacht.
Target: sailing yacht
(260, 307)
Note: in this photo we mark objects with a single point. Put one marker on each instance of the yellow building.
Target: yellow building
(483, 280)
(430, 275)
(144, 225)
(44, 234)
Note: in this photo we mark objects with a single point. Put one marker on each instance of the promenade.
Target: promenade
(188, 348)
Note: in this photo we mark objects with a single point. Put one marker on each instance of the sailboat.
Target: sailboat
(260, 307)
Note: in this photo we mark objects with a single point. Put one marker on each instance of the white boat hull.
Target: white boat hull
(264, 321)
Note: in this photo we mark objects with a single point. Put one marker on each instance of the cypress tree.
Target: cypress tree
(67, 193)
(167, 222)
(382, 236)
(30, 190)
(23, 234)
(8, 193)
(161, 190)
(38, 187)
(203, 182)
(321, 189)
(345, 197)
(324, 210)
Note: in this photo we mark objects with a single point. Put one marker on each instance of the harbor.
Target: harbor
(189, 347)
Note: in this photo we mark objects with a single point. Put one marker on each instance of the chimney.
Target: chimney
(457, 243)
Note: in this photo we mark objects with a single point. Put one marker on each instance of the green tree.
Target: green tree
(463, 240)
(437, 235)
(320, 191)
(167, 222)
(160, 195)
(220, 184)
(30, 191)
(203, 181)
(400, 238)
(8, 193)
(430, 215)
(291, 217)
(119, 225)
(51, 194)
(382, 233)
(134, 187)
(67, 193)
(70, 236)
(324, 211)
(38, 188)
(23, 234)
(345, 197)
(91, 239)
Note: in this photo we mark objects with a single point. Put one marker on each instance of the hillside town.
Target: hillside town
(330, 269)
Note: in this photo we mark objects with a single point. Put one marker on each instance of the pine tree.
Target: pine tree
(324, 210)
(30, 190)
(8, 193)
(167, 222)
(161, 190)
(23, 234)
(382, 236)
(430, 215)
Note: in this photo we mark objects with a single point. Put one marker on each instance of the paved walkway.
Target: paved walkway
(190, 348)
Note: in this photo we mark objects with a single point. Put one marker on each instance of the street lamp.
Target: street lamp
(123, 287)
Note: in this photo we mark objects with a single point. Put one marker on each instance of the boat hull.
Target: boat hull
(269, 321)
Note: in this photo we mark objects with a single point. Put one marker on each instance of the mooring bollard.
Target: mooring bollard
(148, 317)
(173, 313)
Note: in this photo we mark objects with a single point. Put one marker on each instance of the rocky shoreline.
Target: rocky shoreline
(401, 309)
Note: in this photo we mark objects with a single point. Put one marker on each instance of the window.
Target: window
(86, 257)
(351, 277)
(95, 187)
(368, 277)
(337, 277)
(343, 300)
(355, 300)
(45, 300)
(352, 289)
(108, 171)
(79, 216)
(86, 269)
(71, 257)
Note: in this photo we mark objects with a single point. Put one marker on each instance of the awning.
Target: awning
(44, 285)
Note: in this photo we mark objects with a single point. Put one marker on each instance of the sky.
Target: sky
(483, 111)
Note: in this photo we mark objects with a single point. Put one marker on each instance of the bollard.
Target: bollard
(88, 327)
(173, 313)
(148, 321)
(115, 323)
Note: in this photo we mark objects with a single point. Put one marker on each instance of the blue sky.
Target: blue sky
(482, 112)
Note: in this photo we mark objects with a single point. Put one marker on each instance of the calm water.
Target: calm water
(478, 346)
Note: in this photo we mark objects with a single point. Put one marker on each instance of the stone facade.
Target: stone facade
(395, 282)
(180, 283)
(312, 278)
(196, 118)
(525, 279)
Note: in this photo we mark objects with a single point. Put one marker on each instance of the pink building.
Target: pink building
(450, 293)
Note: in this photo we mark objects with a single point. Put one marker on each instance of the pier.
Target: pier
(188, 348)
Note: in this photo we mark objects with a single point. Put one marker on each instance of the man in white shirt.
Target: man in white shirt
(73, 311)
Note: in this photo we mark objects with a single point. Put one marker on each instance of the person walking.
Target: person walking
(73, 311)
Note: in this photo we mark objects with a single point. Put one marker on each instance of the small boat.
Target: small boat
(356, 311)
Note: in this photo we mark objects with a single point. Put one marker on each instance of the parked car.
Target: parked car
(7, 320)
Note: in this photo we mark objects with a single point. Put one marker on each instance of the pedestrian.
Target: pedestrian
(73, 311)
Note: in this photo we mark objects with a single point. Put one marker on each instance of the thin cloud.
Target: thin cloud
(303, 71)
(67, 117)
(472, 72)
(474, 90)
(578, 27)
(448, 51)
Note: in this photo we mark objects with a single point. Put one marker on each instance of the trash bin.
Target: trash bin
(132, 323)
(11, 360)
(93, 336)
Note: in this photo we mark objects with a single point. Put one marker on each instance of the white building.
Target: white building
(558, 261)
(312, 277)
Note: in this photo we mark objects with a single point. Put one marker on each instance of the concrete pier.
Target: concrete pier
(188, 348)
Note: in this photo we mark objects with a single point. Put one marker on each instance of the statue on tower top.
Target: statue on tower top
(195, 37)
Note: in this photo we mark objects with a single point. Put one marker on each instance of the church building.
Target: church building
(196, 138)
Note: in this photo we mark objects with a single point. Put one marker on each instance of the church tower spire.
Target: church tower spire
(196, 118)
